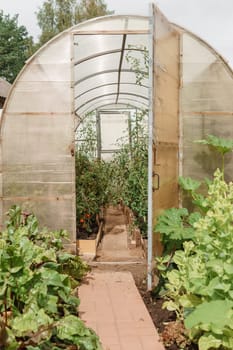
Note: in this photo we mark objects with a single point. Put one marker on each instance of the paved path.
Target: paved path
(114, 244)
(113, 307)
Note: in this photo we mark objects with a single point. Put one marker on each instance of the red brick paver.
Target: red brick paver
(113, 307)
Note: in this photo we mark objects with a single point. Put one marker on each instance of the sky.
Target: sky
(212, 20)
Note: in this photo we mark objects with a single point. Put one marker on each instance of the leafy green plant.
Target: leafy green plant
(38, 306)
(221, 145)
(129, 172)
(138, 59)
(198, 277)
(176, 226)
(202, 279)
(92, 190)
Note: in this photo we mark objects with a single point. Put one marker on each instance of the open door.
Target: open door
(164, 126)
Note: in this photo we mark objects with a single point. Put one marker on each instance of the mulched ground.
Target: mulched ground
(172, 333)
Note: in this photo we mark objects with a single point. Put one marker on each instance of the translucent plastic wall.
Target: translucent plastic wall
(166, 124)
(37, 132)
(206, 106)
(113, 128)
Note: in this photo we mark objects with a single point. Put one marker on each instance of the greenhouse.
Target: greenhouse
(113, 67)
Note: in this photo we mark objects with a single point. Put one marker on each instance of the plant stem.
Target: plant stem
(5, 307)
(223, 165)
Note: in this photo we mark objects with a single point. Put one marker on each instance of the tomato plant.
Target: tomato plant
(129, 172)
(92, 191)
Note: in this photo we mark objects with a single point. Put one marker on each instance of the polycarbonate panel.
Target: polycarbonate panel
(199, 160)
(111, 102)
(206, 107)
(114, 23)
(139, 103)
(43, 72)
(139, 41)
(134, 89)
(46, 210)
(89, 45)
(37, 97)
(104, 100)
(166, 124)
(52, 49)
(37, 133)
(95, 81)
(113, 128)
(90, 95)
(97, 64)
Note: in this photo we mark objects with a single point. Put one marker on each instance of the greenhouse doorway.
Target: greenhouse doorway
(111, 91)
(138, 69)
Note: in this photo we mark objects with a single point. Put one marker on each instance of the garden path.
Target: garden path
(114, 246)
(110, 301)
(113, 307)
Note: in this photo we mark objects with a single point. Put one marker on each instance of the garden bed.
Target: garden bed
(165, 322)
(87, 246)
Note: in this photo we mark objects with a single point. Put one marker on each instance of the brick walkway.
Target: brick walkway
(113, 307)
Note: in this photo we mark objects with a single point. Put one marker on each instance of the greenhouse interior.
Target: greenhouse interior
(102, 81)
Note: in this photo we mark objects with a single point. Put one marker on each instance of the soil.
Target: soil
(83, 234)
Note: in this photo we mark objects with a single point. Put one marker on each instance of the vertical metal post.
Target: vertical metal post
(150, 148)
(130, 133)
(181, 132)
(72, 115)
(98, 133)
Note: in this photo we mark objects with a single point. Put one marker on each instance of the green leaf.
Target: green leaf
(194, 217)
(173, 228)
(71, 326)
(228, 268)
(189, 184)
(29, 322)
(209, 341)
(216, 313)
(171, 222)
(189, 300)
(52, 278)
(220, 144)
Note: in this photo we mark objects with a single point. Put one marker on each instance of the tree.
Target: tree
(15, 46)
(57, 15)
(90, 9)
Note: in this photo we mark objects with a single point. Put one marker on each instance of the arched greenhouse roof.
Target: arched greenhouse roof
(98, 49)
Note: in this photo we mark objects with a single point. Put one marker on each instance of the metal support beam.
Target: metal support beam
(150, 149)
(98, 132)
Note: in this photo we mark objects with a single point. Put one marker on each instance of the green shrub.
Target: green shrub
(199, 283)
(38, 305)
